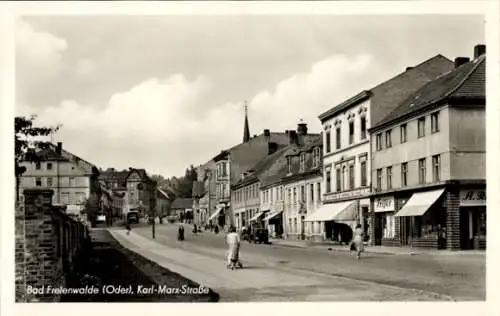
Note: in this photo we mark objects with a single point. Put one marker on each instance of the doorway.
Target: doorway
(329, 230)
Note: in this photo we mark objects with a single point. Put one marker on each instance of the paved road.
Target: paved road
(283, 273)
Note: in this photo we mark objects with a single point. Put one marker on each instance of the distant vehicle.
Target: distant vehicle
(133, 217)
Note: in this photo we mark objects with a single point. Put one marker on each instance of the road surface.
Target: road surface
(279, 273)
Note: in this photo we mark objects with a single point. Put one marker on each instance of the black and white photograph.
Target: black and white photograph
(203, 158)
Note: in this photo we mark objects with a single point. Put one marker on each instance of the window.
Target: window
(404, 135)
(38, 166)
(339, 183)
(421, 127)
(319, 191)
(289, 163)
(294, 195)
(328, 182)
(436, 168)
(65, 198)
(38, 182)
(351, 132)
(379, 179)
(49, 182)
(303, 193)
(404, 174)
(316, 157)
(328, 142)
(435, 122)
(351, 177)
(421, 171)
(289, 195)
(302, 162)
(338, 135)
(389, 226)
(311, 192)
(389, 178)
(363, 127)
(388, 139)
(363, 173)
(49, 166)
(344, 178)
(379, 142)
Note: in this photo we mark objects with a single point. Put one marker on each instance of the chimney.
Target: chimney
(267, 135)
(459, 61)
(272, 147)
(302, 129)
(292, 137)
(59, 148)
(479, 50)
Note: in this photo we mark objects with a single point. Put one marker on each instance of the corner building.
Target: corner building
(428, 164)
(346, 148)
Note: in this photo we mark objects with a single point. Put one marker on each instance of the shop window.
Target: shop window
(482, 224)
(389, 227)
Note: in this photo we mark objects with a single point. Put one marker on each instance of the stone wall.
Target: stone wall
(47, 243)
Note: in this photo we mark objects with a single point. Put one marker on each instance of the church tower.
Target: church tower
(246, 129)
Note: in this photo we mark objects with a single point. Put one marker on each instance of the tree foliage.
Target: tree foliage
(183, 186)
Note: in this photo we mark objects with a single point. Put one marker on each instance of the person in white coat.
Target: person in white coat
(233, 242)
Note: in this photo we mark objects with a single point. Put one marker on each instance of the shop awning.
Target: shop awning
(272, 215)
(215, 214)
(333, 211)
(419, 203)
(259, 214)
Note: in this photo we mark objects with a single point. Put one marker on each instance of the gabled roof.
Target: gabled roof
(182, 203)
(163, 194)
(50, 155)
(467, 82)
(113, 175)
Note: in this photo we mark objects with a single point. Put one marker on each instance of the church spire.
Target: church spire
(246, 129)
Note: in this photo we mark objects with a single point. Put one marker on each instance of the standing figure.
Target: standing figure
(233, 241)
(180, 233)
(195, 229)
(357, 241)
(216, 229)
(128, 226)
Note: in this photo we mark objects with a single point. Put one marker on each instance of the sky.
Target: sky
(165, 92)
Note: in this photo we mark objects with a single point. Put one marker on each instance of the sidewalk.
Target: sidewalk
(409, 251)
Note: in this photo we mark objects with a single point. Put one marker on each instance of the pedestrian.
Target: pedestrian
(357, 241)
(180, 233)
(233, 242)
(128, 226)
(216, 229)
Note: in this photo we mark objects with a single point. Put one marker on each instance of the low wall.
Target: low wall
(47, 242)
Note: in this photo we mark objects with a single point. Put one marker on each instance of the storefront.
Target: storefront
(422, 220)
(384, 209)
(274, 223)
(473, 219)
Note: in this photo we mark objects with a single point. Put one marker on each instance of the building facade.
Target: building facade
(204, 193)
(346, 147)
(300, 190)
(428, 164)
(68, 176)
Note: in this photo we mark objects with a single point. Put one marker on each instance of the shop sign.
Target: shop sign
(473, 198)
(384, 204)
(346, 195)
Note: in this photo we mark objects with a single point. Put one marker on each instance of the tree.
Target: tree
(27, 146)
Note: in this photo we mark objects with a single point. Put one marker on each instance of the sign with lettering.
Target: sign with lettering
(473, 197)
(346, 195)
(384, 204)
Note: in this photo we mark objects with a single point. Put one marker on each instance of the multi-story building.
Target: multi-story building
(428, 163)
(346, 149)
(204, 193)
(301, 189)
(163, 201)
(246, 196)
(70, 177)
(231, 163)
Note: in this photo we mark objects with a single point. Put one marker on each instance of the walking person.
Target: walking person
(233, 241)
(357, 241)
(128, 227)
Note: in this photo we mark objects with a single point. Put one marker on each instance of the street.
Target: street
(280, 273)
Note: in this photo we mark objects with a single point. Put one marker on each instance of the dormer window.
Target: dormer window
(302, 162)
(289, 164)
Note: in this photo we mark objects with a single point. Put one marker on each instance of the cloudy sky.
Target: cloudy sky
(162, 93)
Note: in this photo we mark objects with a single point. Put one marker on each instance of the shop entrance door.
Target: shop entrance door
(329, 230)
(378, 229)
